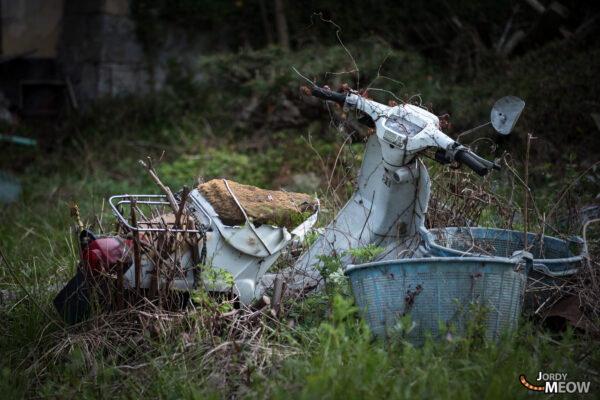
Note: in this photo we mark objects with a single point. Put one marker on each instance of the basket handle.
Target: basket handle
(523, 257)
(543, 269)
(426, 237)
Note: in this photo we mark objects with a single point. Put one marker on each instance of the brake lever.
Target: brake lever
(487, 163)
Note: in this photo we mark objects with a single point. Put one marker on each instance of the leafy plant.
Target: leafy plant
(329, 265)
(366, 254)
(209, 294)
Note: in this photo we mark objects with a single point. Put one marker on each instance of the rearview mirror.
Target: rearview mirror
(505, 114)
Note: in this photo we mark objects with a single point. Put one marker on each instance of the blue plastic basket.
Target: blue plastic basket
(438, 290)
(554, 259)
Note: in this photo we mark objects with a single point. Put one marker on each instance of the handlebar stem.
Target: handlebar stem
(399, 145)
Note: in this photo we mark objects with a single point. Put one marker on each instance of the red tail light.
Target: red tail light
(103, 255)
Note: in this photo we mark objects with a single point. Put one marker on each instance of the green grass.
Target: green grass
(335, 359)
(342, 361)
(322, 349)
(332, 357)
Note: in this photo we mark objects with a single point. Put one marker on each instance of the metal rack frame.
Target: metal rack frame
(149, 200)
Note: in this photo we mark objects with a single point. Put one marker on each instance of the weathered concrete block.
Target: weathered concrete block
(81, 41)
(119, 42)
(85, 82)
(118, 79)
(100, 53)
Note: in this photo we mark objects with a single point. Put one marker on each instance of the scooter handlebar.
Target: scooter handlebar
(462, 156)
(466, 158)
(326, 94)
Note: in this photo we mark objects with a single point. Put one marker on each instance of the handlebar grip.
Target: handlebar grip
(325, 94)
(467, 159)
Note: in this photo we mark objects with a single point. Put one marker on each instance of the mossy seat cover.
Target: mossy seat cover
(272, 207)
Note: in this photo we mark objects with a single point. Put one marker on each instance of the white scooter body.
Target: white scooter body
(247, 252)
(390, 202)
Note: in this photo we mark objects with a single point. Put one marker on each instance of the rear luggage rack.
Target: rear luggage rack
(149, 208)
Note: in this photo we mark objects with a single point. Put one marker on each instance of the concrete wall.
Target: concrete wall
(99, 51)
(93, 44)
(31, 25)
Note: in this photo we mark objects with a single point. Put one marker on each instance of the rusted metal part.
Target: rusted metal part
(137, 259)
(120, 288)
(248, 222)
(151, 201)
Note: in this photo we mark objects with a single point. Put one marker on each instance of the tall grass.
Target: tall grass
(317, 350)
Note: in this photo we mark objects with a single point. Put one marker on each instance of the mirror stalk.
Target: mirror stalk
(472, 130)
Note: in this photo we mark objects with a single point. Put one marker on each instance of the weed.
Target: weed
(209, 295)
(311, 237)
(366, 254)
(330, 268)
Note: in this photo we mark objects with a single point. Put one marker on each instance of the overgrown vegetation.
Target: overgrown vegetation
(248, 123)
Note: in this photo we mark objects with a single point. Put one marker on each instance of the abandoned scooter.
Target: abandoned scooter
(389, 205)
(387, 209)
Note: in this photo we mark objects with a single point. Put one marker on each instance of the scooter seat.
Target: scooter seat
(270, 207)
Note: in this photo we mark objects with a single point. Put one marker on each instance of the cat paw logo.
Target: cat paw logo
(555, 383)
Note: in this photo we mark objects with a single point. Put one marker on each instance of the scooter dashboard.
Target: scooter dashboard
(402, 126)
